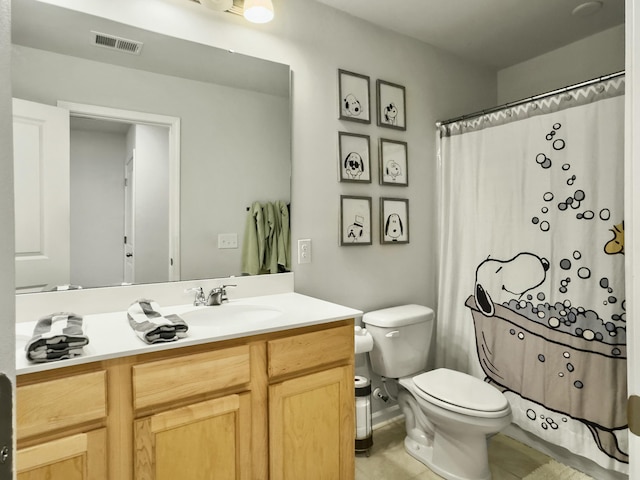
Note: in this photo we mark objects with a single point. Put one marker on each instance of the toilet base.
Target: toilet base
(474, 468)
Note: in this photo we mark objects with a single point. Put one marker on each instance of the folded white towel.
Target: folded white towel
(57, 336)
(151, 326)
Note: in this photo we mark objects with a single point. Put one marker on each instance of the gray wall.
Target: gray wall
(97, 206)
(151, 179)
(592, 57)
(7, 284)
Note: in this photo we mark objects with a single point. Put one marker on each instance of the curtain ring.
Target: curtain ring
(600, 88)
(568, 96)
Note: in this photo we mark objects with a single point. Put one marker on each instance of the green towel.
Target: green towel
(267, 239)
(253, 245)
(284, 239)
(271, 233)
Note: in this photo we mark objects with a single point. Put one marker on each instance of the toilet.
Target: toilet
(448, 414)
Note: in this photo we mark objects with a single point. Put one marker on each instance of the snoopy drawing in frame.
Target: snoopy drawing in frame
(393, 227)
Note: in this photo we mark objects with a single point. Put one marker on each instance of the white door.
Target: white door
(129, 209)
(41, 178)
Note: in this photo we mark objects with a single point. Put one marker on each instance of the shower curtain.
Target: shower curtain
(531, 271)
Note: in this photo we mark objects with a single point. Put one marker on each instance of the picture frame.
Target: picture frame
(393, 163)
(392, 105)
(355, 220)
(354, 157)
(353, 97)
(394, 221)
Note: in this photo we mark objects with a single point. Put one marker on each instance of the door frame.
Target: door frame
(173, 124)
(632, 214)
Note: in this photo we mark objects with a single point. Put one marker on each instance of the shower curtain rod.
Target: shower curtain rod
(531, 99)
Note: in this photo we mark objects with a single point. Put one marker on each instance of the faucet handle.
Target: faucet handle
(199, 298)
(224, 290)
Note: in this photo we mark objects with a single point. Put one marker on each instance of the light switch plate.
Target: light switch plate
(304, 251)
(227, 240)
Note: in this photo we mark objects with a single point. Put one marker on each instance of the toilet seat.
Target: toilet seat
(461, 393)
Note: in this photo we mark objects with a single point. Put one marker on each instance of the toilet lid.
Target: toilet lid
(457, 389)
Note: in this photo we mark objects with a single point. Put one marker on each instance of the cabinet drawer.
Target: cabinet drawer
(60, 403)
(309, 350)
(168, 380)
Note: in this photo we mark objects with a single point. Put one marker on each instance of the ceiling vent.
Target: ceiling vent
(124, 45)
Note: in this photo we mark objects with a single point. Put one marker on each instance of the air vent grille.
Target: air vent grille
(113, 42)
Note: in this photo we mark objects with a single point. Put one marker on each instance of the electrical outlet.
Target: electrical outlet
(304, 251)
(227, 240)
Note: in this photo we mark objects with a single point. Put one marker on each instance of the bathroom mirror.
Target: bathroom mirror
(234, 142)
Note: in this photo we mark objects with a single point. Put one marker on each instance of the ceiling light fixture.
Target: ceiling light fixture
(218, 5)
(586, 9)
(258, 11)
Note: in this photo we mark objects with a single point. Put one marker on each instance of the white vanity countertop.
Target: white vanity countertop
(110, 335)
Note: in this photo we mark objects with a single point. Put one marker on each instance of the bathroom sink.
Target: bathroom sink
(228, 312)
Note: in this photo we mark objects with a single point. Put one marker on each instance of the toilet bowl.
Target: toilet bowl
(448, 414)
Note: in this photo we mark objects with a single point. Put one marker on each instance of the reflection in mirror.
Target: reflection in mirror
(233, 146)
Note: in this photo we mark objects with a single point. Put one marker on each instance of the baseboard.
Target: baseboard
(385, 416)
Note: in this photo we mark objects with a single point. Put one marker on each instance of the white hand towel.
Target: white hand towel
(151, 326)
(57, 336)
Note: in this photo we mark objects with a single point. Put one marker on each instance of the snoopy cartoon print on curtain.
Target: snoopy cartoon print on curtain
(531, 273)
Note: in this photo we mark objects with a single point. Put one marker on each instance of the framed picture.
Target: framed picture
(355, 220)
(354, 158)
(394, 164)
(394, 220)
(354, 94)
(392, 108)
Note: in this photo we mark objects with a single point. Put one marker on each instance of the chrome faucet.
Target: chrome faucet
(218, 295)
(200, 299)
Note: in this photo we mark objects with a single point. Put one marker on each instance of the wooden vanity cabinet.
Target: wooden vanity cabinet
(210, 439)
(61, 420)
(198, 440)
(273, 406)
(311, 405)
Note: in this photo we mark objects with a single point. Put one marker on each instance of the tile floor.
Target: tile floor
(508, 459)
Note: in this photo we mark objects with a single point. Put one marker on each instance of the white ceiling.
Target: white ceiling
(496, 33)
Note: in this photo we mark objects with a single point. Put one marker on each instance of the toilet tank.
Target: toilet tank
(401, 339)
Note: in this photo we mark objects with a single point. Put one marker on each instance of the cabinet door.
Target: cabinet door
(77, 457)
(311, 426)
(207, 440)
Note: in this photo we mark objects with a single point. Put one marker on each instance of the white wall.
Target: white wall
(151, 182)
(7, 251)
(97, 206)
(592, 57)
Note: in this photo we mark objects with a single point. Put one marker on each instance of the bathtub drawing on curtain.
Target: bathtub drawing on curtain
(533, 337)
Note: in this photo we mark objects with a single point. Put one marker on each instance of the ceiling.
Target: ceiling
(495, 33)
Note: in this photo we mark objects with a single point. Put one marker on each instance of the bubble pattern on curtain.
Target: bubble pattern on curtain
(531, 272)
